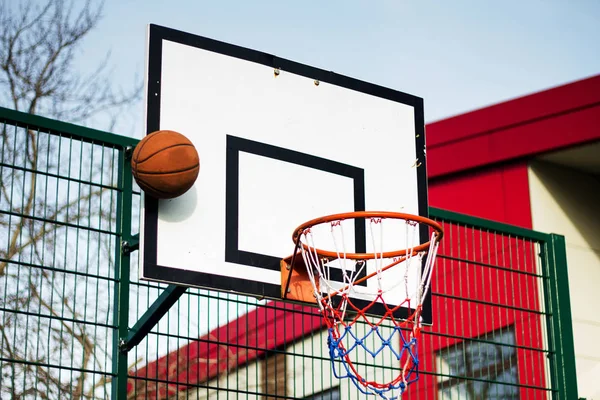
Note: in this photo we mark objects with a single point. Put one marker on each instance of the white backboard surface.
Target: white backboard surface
(280, 143)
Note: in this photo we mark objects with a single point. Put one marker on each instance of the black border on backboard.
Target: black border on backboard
(163, 273)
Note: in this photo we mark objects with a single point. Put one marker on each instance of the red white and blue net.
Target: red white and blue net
(373, 313)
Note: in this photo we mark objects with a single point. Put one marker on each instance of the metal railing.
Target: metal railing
(76, 322)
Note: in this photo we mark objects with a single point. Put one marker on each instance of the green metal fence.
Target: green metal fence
(76, 322)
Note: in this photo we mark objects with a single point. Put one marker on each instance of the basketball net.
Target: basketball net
(357, 340)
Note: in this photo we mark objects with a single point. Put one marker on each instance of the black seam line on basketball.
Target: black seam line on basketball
(144, 144)
(155, 189)
(167, 173)
(161, 149)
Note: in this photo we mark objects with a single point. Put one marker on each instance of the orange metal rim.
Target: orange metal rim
(368, 214)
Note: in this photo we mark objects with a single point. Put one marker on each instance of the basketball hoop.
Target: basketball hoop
(349, 286)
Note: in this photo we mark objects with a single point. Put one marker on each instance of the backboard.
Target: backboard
(279, 143)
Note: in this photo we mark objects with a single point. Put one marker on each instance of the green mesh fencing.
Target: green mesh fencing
(76, 322)
(59, 238)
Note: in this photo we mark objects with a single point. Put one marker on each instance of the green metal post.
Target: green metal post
(561, 318)
(122, 265)
(551, 305)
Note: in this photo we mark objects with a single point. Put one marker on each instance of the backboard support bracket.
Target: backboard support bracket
(295, 283)
(157, 310)
(131, 245)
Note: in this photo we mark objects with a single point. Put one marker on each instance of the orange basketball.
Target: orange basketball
(165, 164)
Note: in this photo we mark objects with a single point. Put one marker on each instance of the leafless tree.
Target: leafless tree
(57, 205)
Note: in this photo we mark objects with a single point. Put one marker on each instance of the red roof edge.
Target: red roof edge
(225, 348)
(563, 116)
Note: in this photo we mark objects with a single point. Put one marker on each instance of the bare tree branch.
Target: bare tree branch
(39, 46)
(15, 248)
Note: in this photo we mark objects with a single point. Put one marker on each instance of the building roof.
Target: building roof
(549, 120)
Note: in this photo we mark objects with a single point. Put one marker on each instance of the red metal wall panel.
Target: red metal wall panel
(499, 193)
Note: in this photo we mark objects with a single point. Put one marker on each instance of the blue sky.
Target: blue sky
(458, 55)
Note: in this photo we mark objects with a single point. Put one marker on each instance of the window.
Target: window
(273, 375)
(489, 364)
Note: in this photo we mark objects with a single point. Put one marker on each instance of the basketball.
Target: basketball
(165, 164)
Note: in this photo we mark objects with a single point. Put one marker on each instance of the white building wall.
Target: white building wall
(567, 202)
(246, 379)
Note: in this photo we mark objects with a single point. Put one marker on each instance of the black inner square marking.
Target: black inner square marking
(237, 145)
